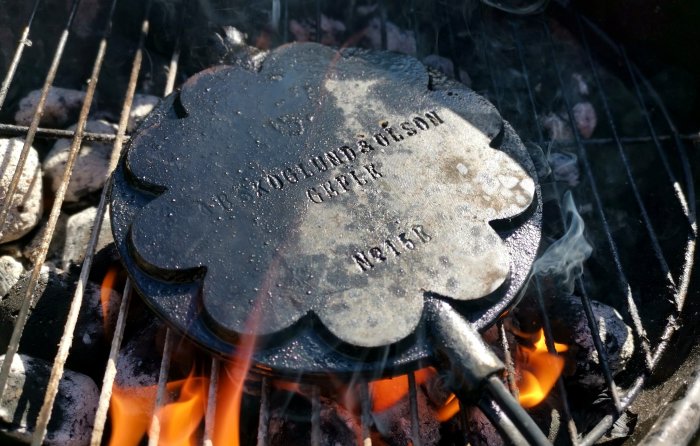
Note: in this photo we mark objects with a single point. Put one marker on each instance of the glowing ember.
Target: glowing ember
(387, 392)
(539, 370)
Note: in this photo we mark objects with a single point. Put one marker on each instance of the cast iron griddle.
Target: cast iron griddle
(318, 201)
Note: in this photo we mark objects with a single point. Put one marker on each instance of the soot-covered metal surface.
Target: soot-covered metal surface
(318, 201)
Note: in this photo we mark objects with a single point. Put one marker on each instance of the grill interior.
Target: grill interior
(635, 191)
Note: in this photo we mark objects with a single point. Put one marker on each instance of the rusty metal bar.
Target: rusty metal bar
(210, 415)
(98, 426)
(26, 303)
(175, 57)
(67, 337)
(508, 360)
(264, 417)
(413, 405)
(42, 132)
(22, 43)
(316, 437)
(131, 88)
(154, 429)
(38, 113)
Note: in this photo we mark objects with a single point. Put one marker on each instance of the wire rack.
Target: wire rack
(654, 278)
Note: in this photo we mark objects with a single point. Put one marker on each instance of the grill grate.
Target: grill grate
(662, 135)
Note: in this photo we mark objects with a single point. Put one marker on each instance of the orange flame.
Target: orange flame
(386, 393)
(179, 420)
(230, 394)
(539, 370)
(130, 410)
(106, 292)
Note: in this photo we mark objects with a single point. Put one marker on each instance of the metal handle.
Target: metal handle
(474, 366)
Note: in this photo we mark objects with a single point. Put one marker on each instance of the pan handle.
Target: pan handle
(474, 366)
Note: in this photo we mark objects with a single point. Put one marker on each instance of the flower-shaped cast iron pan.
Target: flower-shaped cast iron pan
(319, 203)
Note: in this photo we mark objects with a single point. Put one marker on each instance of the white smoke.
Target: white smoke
(563, 259)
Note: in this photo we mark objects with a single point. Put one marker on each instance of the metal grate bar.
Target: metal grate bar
(656, 138)
(414, 26)
(593, 326)
(67, 337)
(21, 45)
(606, 423)
(98, 426)
(623, 139)
(7, 202)
(382, 25)
(164, 372)
(34, 278)
(638, 76)
(316, 439)
(495, 98)
(598, 431)
(41, 132)
(366, 416)
(528, 84)
(210, 415)
(549, 338)
(318, 20)
(671, 326)
(175, 57)
(285, 21)
(549, 341)
(687, 203)
(658, 252)
(445, 12)
(131, 87)
(579, 283)
(264, 417)
(508, 360)
(413, 405)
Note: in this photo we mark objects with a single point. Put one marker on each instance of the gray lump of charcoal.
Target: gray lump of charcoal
(73, 412)
(27, 203)
(570, 323)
